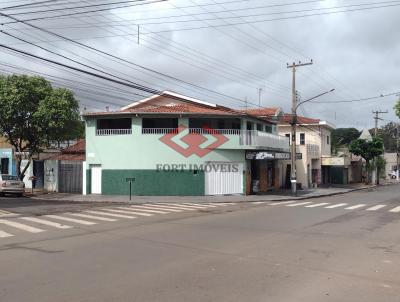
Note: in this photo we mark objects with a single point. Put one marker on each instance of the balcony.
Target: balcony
(108, 132)
(263, 140)
(237, 139)
(313, 151)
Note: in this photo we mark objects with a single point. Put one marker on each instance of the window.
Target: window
(302, 138)
(259, 127)
(151, 123)
(117, 123)
(288, 136)
(268, 128)
(116, 126)
(328, 139)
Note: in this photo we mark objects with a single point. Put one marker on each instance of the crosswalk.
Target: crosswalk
(10, 227)
(345, 206)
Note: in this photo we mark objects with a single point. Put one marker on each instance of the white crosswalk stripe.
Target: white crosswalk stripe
(395, 210)
(336, 206)
(110, 214)
(47, 222)
(357, 206)
(202, 205)
(317, 205)
(162, 208)
(282, 203)
(298, 204)
(377, 207)
(78, 221)
(5, 234)
(188, 206)
(21, 226)
(92, 217)
(120, 211)
(178, 207)
(134, 212)
(141, 209)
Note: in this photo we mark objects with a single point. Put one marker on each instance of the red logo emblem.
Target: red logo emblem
(194, 141)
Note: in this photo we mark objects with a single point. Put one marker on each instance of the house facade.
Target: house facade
(170, 144)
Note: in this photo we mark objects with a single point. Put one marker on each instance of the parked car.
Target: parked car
(10, 184)
(393, 175)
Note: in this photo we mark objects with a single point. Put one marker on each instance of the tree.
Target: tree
(367, 150)
(397, 108)
(343, 137)
(33, 113)
(389, 135)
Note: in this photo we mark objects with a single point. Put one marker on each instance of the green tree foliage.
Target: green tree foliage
(397, 108)
(389, 135)
(367, 149)
(33, 113)
(343, 137)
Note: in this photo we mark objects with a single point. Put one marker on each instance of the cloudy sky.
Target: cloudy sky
(221, 51)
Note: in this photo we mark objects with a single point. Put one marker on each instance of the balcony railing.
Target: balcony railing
(313, 150)
(215, 131)
(263, 139)
(107, 132)
(159, 130)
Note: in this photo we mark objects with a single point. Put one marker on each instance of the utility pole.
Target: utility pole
(259, 96)
(376, 117)
(293, 174)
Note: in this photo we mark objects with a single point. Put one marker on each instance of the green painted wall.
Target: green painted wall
(150, 182)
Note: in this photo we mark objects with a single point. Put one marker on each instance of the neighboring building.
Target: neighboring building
(63, 172)
(391, 162)
(171, 144)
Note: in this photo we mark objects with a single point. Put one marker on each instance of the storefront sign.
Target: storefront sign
(267, 155)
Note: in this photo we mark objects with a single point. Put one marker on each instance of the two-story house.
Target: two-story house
(313, 147)
(171, 144)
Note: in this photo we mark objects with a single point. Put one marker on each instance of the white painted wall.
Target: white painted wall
(51, 175)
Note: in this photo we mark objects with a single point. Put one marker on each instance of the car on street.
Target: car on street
(393, 175)
(10, 184)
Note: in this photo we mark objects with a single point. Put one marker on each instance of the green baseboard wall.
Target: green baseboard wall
(152, 183)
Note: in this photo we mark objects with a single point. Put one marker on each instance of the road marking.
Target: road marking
(298, 204)
(395, 210)
(178, 207)
(357, 206)
(46, 222)
(201, 205)
(92, 217)
(317, 205)
(189, 206)
(120, 211)
(336, 206)
(377, 207)
(5, 234)
(21, 226)
(162, 208)
(134, 212)
(112, 215)
(147, 210)
(78, 221)
(282, 202)
(259, 202)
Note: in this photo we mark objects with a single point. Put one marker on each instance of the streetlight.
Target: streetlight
(293, 146)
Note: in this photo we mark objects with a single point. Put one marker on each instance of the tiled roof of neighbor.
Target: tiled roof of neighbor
(268, 112)
(74, 152)
(287, 118)
(183, 108)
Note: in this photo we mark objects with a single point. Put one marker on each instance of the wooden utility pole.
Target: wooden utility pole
(376, 117)
(293, 174)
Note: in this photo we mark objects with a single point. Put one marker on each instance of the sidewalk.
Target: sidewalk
(277, 196)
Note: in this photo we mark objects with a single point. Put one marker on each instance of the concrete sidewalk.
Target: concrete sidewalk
(274, 196)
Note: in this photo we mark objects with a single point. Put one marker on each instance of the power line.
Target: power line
(358, 100)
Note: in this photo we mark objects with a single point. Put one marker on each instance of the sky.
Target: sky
(229, 52)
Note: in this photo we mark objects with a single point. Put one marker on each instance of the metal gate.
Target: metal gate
(70, 177)
(223, 178)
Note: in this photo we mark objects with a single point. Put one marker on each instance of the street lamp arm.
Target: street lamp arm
(313, 98)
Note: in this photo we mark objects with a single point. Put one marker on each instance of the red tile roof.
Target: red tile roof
(267, 112)
(74, 152)
(183, 108)
(287, 118)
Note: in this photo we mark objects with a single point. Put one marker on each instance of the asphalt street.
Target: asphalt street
(339, 248)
